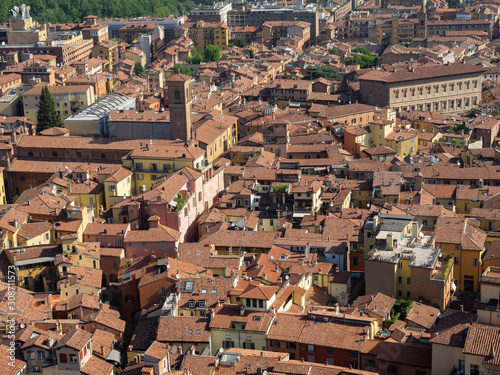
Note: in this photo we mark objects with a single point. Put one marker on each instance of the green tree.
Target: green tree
(252, 53)
(47, 116)
(386, 41)
(138, 69)
(189, 4)
(328, 72)
(239, 41)
(211, 53)
(196, 56)
(361, 50)
(179, 68)
(364, 61)
(334, 51)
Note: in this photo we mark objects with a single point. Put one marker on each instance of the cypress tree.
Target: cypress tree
(47, 116)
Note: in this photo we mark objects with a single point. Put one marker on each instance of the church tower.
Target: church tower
(422, 21)
(179, 98)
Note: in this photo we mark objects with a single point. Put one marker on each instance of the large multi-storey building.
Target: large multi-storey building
(205, 33)
(68, 48)
(429, 87)
(216, 13)
(401, 30)
(68, 100)
(404, 264)
(272, 31)
(168, 23)
(357, 27)
(258, 15)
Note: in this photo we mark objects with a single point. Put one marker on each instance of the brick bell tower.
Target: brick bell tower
(179, 98)
(421, 31)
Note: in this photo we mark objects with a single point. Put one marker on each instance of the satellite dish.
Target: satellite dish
(221, 350)
(22, 325)
(178, 276)
(168, 266)
(287, 277)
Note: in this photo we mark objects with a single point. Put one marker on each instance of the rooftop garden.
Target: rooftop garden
(448, 259)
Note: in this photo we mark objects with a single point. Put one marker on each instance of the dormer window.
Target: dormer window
(202, 304)
(192, 304)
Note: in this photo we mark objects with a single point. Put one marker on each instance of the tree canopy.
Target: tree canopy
(364, 61)
(328, 72)
(239, 41)
(179, 68)
(361, 50)
(211, 53)
(57, 11)
(334, 51)
(196, 56)
(456, 4)
(138, 69)
(386, 41)
(47, 116)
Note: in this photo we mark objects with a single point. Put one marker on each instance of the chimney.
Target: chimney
(419, 182)
(242, 310)
(388, 242)
(103, 353)
(414, 229)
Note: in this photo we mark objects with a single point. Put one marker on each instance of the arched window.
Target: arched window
(30, 153)
(177, 96)
(54, 154)
(103, 156)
